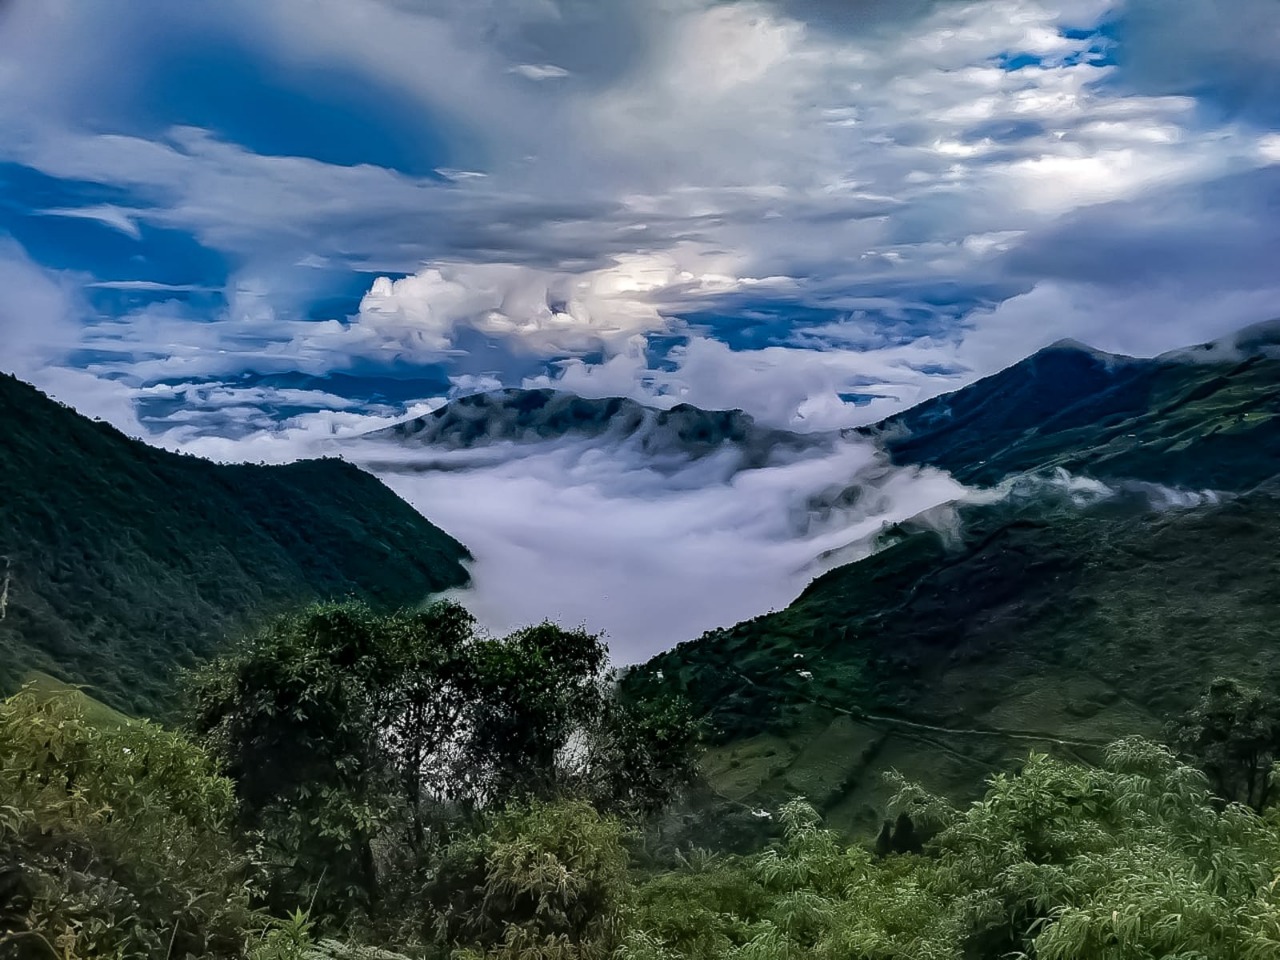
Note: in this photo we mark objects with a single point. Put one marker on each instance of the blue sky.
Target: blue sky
(226, 223)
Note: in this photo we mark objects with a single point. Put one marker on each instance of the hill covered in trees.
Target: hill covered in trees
(1207, 416)
(987, 692)
(949, 654)
(121, 561)
(531, 416)
(1056, 610)
(272, 830)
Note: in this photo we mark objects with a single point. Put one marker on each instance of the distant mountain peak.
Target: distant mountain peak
(1072, 345)
(539, 416)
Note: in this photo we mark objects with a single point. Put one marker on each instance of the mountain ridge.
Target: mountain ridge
(1196, 425)
(125, 560)
(1030, 615)
(525, 416)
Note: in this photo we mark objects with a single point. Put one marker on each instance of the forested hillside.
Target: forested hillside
(122, 561)
(946, 656)
(1045, 618)
(1203, 417)
(528, 416)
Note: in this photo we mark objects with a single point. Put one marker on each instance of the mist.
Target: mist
(595, 534)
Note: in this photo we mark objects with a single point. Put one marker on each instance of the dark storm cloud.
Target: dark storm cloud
(1224, 52)
(1220, 235)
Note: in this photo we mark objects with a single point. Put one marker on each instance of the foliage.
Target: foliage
(112, 841)
(116, 841)
(547, 881)
(1233, 733)
(1130, 861)
(642, 749)
(332, 723)
(1124, 862)
(535, 690)
(359, 741)
(813, 896)
(125, 560)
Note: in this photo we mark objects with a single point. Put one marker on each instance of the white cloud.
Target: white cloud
(539, 311)
(114, 217)
(1143, 322)
(581, 533)
(38, 311)
(540, 71)
(779, 386)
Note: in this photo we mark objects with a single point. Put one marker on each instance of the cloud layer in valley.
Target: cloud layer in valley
(589, 533)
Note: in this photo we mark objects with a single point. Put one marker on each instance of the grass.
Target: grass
(45, 687)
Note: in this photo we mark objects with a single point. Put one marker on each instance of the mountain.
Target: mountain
(1206, 417)
(949, 654)
(531, 416)
(1025, 619)
(121, 560)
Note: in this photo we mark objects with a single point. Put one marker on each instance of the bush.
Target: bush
(545, 882)
(112, 840)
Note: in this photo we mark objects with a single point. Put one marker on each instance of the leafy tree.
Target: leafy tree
(357, 739)
(1233, 733)
(641, 750)
(1129, 861)
(812, 896)
(335, 724)
(535, 690)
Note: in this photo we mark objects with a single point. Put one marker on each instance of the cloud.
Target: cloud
(38, 312)
(540, 71)
(40, 324)
(591, 534)
(780, 386)
(111, 216)
(947, 183)
(541, 311)
(1224, 52)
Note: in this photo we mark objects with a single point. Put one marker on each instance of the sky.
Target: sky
(245, 227)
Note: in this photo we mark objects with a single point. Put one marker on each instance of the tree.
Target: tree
(535, 691)
(1233, 733)
(336, 724)
(641, 751)
(355, 739)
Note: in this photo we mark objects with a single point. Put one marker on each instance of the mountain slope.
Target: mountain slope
(1203, 418)
(1029, 622)
(1033, 624)
(124, 560)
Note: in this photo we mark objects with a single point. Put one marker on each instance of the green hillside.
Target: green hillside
(124, 561)
(1202, 424)
(1031, 622)
(947, 658)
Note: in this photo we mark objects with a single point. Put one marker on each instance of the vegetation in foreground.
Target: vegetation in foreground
(362, 785)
